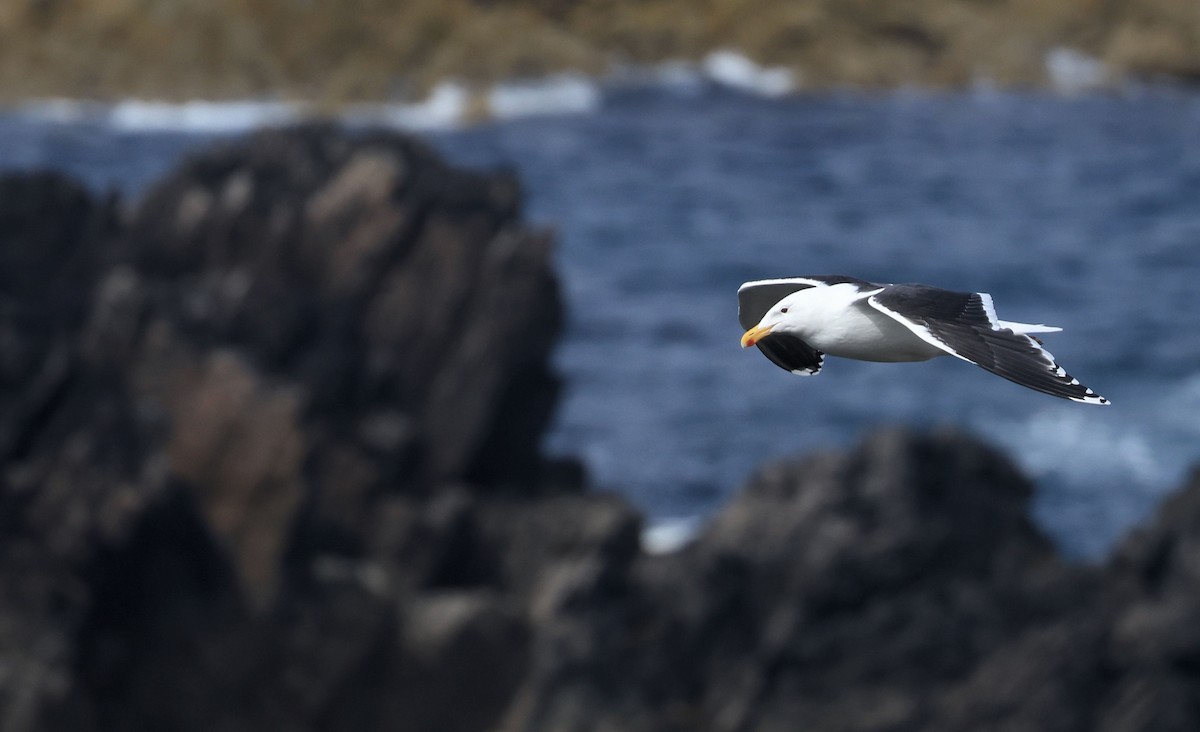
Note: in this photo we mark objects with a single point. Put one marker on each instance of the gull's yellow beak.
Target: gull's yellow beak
(754, 335)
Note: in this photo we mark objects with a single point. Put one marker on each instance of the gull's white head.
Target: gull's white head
(783, 317)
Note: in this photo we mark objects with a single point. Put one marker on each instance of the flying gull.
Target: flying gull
(796, 321)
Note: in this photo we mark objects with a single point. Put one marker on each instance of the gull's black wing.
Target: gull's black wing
(792, 354)
(964, 324)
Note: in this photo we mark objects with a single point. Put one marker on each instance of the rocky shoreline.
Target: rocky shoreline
(379, 50)
(270, 460)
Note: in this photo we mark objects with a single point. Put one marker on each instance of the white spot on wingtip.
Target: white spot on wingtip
(989, 309)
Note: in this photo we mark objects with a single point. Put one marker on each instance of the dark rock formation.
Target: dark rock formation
(225, 413)
(900, 586)
(850, 592)
(326, 321)
(269, 460)
(1154, 637)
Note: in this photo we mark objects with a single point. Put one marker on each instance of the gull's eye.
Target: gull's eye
(783, 310)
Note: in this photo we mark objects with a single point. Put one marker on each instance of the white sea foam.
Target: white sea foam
(670, 535)
(445, 107)
(679, 76)
(1057, 441)
(144, 116)
(1146, 447)
(734, 70)
(1074, 72)
(1098, 476)
(62, 111)
(557, 94)
(448, 105)
(201, 117)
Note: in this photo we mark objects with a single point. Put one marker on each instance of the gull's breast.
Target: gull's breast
(862, 332)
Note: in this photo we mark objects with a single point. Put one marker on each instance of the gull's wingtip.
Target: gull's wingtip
(1091, 397)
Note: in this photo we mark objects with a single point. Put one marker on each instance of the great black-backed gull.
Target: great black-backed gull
(796, 321)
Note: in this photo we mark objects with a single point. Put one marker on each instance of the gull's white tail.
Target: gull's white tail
(1028, 327)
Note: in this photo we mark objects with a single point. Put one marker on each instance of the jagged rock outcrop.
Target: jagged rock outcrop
(850, 592)
(899, 586)
(269, 460)
(213, 405)
(324, 321)
(1154, 638)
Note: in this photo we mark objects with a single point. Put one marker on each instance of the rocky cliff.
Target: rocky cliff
(269, 460)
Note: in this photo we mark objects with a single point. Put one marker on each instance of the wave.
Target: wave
(553, 95)
(668, 535)
(201, 117)
(1098, 475)
(449, 105)
(453, 104)
(727, 69)
(144, 116)
(732, 69)
(62, 111)
(446, 107)
(1074, 72)
(1069, 444)
(679, 76)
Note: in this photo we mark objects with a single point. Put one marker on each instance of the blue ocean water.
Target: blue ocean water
(1081, 212)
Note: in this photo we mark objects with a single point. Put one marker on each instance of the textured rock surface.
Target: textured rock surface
(269, 460)
(861, 591)
(213, 402)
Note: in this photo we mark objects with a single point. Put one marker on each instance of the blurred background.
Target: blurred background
(1045, 152)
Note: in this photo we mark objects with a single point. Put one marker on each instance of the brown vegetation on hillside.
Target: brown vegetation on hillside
(381, 49)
